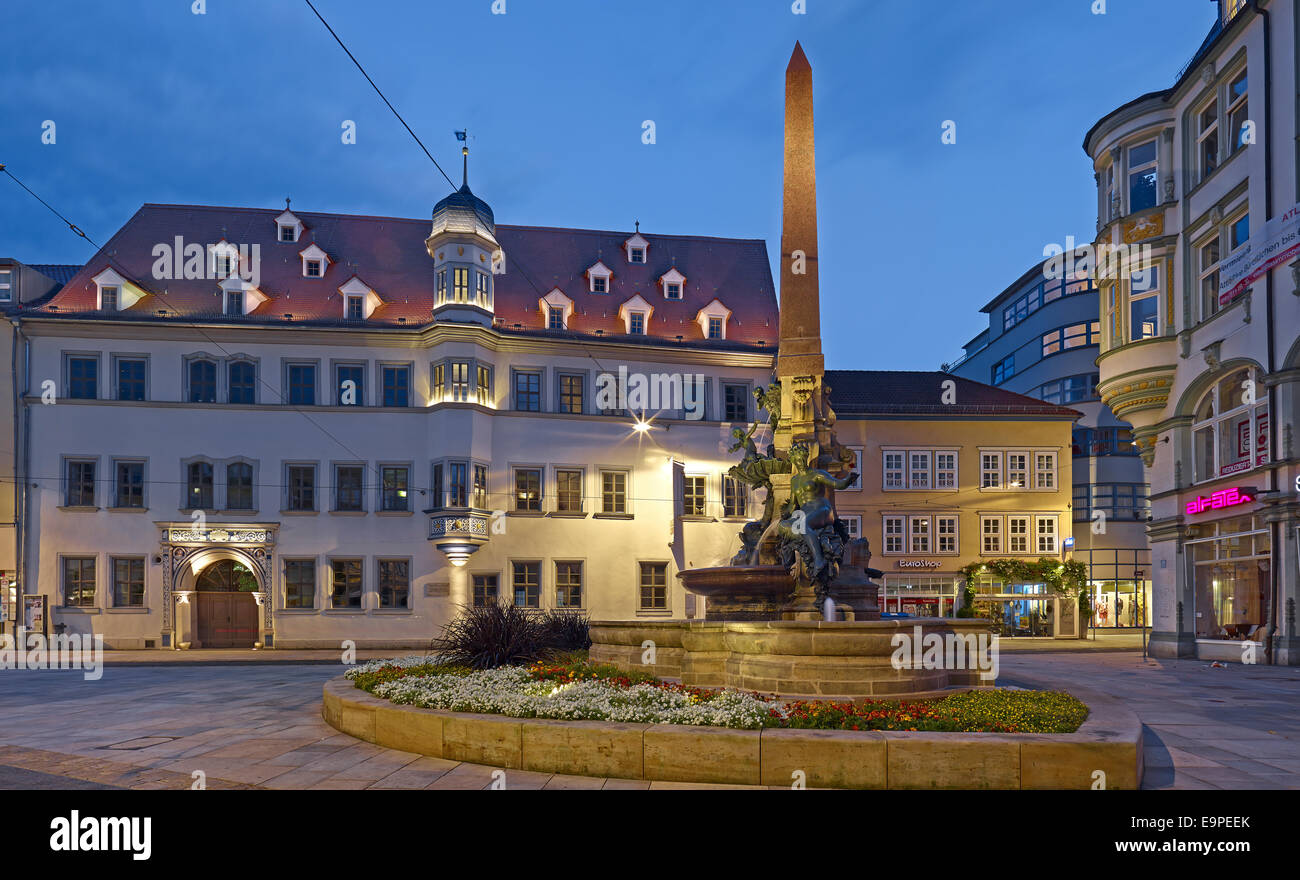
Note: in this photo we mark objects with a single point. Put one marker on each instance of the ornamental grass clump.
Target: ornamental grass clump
(488, 636)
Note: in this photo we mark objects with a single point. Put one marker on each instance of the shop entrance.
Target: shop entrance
(225, 607)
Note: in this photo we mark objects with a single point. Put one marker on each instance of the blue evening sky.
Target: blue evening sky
(244, 105)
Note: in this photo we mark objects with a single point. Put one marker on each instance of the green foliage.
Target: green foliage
(1067, 578)
(367, 681)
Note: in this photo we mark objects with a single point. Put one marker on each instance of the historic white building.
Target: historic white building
(293, 429)
(1199, 284)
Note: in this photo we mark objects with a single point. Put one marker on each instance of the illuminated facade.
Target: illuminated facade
(1199, 307)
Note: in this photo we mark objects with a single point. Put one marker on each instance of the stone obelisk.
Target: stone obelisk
(799, 362)
(805, 412)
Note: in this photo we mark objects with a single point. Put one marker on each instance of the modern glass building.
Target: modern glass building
(1042, 341)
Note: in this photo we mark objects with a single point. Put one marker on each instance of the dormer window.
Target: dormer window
(239, 297)
(223, 260)
(556, 309)
(637, 248)
(359, 301)
(674, 284)
(636, 314)
(598, 277)
(114, 293)
(314, 261)
(288, 227)
(713, 320)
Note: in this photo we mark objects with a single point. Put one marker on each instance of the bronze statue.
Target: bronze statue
(809, 531)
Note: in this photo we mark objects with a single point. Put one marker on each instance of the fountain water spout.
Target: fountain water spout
(828, 609)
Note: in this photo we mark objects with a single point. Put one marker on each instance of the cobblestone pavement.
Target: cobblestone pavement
(259, 726)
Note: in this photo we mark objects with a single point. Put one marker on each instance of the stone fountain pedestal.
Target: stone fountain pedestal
(792, 658)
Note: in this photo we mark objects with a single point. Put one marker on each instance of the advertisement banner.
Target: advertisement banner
(1276, 243)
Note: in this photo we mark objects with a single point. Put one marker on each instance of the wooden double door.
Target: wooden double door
(226, 619)
(227, 611)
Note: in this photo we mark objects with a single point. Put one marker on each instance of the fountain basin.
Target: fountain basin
(740, 592)
(793, 658)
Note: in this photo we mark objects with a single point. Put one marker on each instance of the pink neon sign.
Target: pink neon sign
(1222, 498)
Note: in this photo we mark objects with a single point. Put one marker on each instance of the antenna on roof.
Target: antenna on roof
(638, 226)
(286, 203)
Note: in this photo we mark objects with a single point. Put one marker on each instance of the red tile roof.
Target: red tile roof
(390, 254)
(900, 392)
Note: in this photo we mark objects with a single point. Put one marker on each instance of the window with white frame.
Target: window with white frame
(1207, 138)
(1230, 427)
(945, 470)
(1017, 470)
(1046, 530)
(856, 485)
(1144, 304)
(1208, 256)
(1238, 112)
(945, 532)
(990, 470)
(894, 477)
(919, 534)
(893, 531)
(1017, 534)
(918, 470)
(6, 285)
(990, 534)
(1044, 470)
(852, 522)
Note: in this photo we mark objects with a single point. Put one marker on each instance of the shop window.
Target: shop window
(1231, 580)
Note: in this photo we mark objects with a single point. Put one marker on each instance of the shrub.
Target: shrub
(487, 636)
(567, 630)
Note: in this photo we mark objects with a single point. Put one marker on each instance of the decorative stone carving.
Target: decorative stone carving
(1207, 73)
(1211, 355)
(1169, 189)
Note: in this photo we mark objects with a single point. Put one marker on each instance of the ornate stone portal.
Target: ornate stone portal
(187, 545)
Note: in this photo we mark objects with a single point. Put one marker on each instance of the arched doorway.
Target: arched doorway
(226, 609)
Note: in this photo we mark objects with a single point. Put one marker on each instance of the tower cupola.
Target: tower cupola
(465, 253)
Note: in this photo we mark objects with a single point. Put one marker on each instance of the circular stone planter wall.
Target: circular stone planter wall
(1109, 742)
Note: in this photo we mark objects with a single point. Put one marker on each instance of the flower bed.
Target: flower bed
(577, 690)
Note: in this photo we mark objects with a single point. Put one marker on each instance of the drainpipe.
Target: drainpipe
(1274, 530)
(22, 433)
